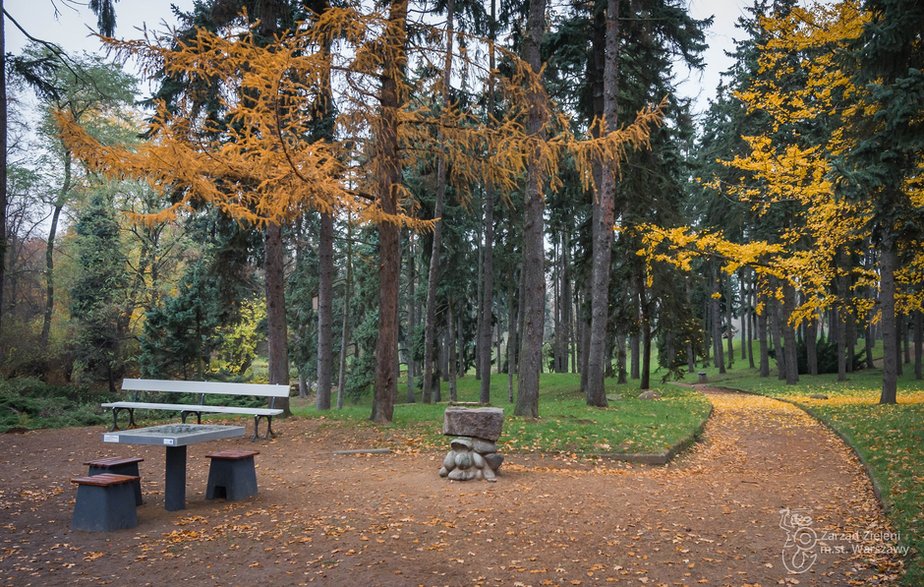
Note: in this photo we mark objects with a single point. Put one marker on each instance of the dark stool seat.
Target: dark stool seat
(119, 466)
(104, 502)
(232, 475)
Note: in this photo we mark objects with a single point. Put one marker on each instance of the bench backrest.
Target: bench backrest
(252, 389)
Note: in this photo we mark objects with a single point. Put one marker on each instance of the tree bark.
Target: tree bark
(3, 163)
(533, 300)
(603, 218)
(811, 346)
(451, 350)
(789, 335)
(776, 335)
(716, 313)
(389, 176)
(645, 327)
(918, 342)
(411, 321)
(325, 309)
(277, 334)
(345, 322)
(762, 341)
(438, 210)
(887, 264)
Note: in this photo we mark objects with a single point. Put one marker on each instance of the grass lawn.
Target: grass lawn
(890, 438)
(566, 423)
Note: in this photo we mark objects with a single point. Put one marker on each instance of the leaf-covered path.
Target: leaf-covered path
(712, 517)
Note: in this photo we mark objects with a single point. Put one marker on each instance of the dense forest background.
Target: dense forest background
(428, 191)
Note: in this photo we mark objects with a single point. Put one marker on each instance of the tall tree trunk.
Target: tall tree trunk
(50, 249)
(411, 321)
(345, 323)
(645, 326)
(899, 335)
(487, 296)
(887, 263)
(533, 265)
(789, 335)
(603, 218)
(325, 309)
(451, 350)
(635, 354)
(729, 330)
(918, 342)
(3, 163)
(389, 176)
(620, 358)
(776, 336)
(277, 335)
(438, 210)
(811, 346)
(512, 323)
(906, 338)
(762, 340)
(716, 313)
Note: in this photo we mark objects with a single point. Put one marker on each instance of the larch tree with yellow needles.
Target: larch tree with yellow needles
(263, 168)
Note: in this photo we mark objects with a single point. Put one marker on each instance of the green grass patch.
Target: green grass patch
(566, 424)
(890, 438)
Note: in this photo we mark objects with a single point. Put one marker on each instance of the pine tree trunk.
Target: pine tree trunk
(918, 342)
(868, 342)
(438, 211)
(533, 300)
(412, 321)
(811, 346)
(277, 337)
(487, 298)
(325, 310)
(645, 326)
(887, 263)
(4, 198)
(389, 177)
(899, 335)
(620, 358)
(512, 343)
(728, 323)
(906, 338)
(635, 354)
(776, 335)
(451, 350)
(762, 341)
(716, 313)
(603, 217)
(789, 335)
(345, 323)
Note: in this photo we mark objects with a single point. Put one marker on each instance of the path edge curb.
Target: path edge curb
(660, 458)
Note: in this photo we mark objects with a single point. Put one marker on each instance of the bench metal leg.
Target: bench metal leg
(184, 414)
(115, 418)
(256, 428)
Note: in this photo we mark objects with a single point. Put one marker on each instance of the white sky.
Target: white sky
(70, 28)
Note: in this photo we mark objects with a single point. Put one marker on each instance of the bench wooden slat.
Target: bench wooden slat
(232, 454)
(254, 389)
(195, 408)
(108, 462)
(104, 480)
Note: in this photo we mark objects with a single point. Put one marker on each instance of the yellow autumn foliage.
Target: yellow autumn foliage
(257, 163)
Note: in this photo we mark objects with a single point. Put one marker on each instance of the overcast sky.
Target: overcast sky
(70, 28)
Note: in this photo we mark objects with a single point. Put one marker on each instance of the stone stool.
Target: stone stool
(232, 475)
(119, 466)
(104, 502)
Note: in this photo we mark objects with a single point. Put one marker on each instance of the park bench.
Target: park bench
(200, 389)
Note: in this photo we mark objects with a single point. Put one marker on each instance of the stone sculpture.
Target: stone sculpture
(473, 450)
